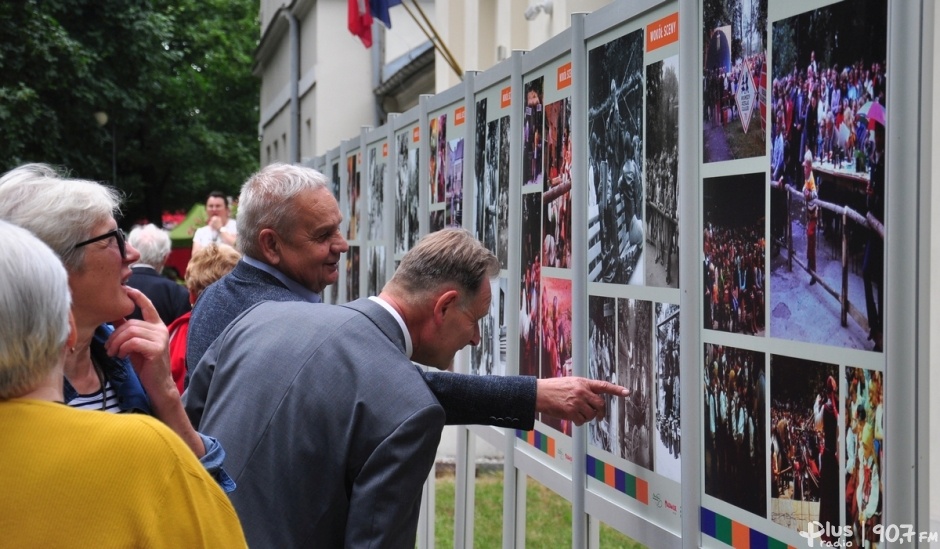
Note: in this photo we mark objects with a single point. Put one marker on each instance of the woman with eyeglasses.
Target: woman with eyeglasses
(116, 365)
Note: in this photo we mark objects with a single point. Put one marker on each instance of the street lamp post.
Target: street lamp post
(101, 118)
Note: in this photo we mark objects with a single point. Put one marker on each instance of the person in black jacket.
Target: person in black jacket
(170, 299)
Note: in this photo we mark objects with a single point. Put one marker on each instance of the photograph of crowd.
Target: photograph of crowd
(556, 337)
(662, 173)
(502, 201)
(634, 371)
(531, 284)
(864, 452)
(353, 195)
(735, 43)
(735, 425)
(532, 133)
(804, 442)
(602, 342)
(556, 230)
(376, 198)
(620, 351)
(352, 274)
(479, 173)
(734, 251)
(437, 161)
(828, 158)
(668, 429)
(488, 188)
(454, 183)
(406, 197)
(615, 164)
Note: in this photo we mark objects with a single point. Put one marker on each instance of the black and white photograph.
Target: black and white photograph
(556, 338)
(376, 198)
(734, 79)
(479, 173)
(662, 173)
(615, 165)
(436, 221)
(353, 195)
(483, 360)
(602, 352)
(376, 274)
(804, 443)
(634, 415)
(502, 201)
(454, 183)
(829, 120)
(531, 285)
(666, 455)
(556, 230)
(734, 252)
(735, 425)
(406, 199)
(533, 160)
(331, 293)
(352, 274)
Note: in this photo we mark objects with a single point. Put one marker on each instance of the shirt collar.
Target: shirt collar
(307, 295)
(399, 319)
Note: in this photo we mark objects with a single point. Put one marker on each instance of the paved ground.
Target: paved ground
(715, 142)
(802, 312)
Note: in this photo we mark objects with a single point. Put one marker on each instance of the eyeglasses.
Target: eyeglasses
(118, 235)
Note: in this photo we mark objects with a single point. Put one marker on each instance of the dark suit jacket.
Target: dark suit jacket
(170, 299)
(502, 401)
(329, 428)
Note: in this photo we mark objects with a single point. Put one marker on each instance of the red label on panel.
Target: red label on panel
(416, 134)
(505, 98)
(384, 149)
(564, 76)
(460, 116)
(663, 32)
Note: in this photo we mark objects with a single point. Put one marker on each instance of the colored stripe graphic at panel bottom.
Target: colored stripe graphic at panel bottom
(539, 440)
(618, 479)
(736, 534)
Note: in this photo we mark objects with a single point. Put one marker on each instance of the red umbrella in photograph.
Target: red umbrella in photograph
(874, 111)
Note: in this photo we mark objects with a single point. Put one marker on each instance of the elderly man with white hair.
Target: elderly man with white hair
(170, 299)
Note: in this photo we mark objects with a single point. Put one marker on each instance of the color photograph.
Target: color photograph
(735, 426)
(864, 452)
(734, 79)
(804, 443)
(531, 284)
(353, 195)
(556, 337)
(828, 159)
(502, 233)
(556, 230)
(453, 195)
(733, 264)
(615, 165)
(352, 274)
(533, 134)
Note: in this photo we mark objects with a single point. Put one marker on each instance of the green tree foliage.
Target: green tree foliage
(173, 77)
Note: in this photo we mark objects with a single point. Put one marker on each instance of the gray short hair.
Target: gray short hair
(34, 311)
(266, 201)
(152, 242)
(449, 256)
(61, 212)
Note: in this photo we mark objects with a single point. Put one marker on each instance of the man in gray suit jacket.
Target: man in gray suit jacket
(289, 233)
(330, 429)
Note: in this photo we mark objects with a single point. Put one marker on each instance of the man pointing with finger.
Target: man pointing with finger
(330, 445)
(289, 233)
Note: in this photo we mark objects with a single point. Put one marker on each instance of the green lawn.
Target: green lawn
(547, 513)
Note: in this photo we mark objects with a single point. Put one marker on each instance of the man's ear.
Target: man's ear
(445, 303)
(72, 339)
(270, 244)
